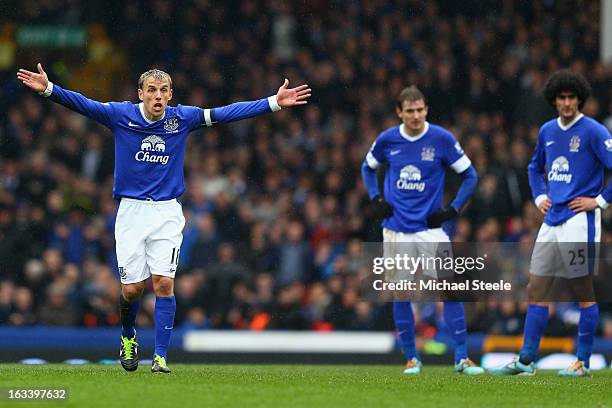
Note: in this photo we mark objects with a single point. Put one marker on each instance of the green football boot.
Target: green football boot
(128, 353)
(159, 365)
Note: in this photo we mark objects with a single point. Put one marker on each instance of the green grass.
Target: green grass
(293, 386)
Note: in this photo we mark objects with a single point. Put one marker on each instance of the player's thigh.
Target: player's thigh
(546, 260)
(577, 239)
(401, 247)
(130, 236)
(436, 249)
(164, 243)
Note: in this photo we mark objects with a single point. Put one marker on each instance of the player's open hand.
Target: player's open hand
(582, 204)
(35, 81)
(292, 96)
(545, 205)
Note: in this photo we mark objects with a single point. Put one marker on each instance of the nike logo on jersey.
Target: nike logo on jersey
(394, 152)
(130, 124)
(549, 143)
(168, 328)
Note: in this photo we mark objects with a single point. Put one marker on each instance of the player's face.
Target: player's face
(155, 94)
(567, 105)
(413, 114)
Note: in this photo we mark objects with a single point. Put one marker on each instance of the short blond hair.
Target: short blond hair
(155, 73)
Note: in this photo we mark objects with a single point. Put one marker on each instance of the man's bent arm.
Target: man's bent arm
(470, 179)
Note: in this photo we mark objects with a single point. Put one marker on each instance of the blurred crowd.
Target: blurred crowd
(275, 206)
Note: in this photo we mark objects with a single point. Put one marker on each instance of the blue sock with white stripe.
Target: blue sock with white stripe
(404, 323)
(454, 316)
(165, 308)
(535, 324)
(587, 326)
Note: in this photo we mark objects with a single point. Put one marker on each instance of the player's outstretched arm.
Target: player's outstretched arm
(39, 82)
(285, 97)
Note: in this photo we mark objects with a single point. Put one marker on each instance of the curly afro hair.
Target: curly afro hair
(567, 81)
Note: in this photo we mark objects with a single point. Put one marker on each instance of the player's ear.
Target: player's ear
(398, 111)
(170, 94)
(140, 94)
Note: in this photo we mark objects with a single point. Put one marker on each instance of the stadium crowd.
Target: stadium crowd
(275, 206)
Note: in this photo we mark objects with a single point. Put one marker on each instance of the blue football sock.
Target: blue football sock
(127, 314)
(404, 323)
(587, 326)
(535, 324)
(165, 308)
(454, 316)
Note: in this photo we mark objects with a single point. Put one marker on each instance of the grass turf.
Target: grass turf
(296, 386)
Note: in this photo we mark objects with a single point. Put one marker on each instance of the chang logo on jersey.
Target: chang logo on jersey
(410, 179)
(150, 147)
(559, 171)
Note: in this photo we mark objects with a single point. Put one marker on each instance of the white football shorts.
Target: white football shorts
(429, 244)
(148, 237)
(568, 250)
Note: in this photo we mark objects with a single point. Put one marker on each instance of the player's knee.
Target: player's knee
(163, 286)
(534, 292)
(132, 292)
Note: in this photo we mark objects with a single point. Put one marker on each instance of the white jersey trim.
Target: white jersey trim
(273, 102)
(207, 118)
(461, 164)
(569, 125)
(539, 199)
(405, 135)
(601, 202)
(47, 92)
(372, 162)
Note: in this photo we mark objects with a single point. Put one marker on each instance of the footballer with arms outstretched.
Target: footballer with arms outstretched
(150, 141)
(575, 150)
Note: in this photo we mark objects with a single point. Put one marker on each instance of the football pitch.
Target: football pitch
(293, 386)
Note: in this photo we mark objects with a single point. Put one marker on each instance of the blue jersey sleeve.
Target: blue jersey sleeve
(193, 115)
(601, 144)
(535, 170)
(240, 110)
(98, 111)
(373, 159)
(470, 180)
(376, 154)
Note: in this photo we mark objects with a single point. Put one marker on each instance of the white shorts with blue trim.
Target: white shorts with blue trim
(148, 237)
(568, 250)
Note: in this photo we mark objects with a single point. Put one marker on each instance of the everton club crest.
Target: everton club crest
(574, 143)
(428, 153)
(171, 124)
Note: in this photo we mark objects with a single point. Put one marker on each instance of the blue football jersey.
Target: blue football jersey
(569, 162)
(150, 155)
(414, 181)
